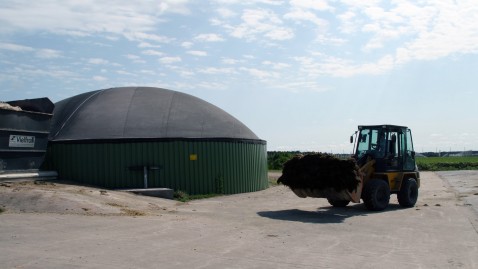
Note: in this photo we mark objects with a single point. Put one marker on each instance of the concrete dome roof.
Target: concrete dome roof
(142, 112)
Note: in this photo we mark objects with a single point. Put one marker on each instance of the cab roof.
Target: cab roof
(383, 126)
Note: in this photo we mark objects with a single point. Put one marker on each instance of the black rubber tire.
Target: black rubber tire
(408, 195)
(376, 195)
(338, 203)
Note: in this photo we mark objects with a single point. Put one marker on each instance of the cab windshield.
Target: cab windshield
(371, 141)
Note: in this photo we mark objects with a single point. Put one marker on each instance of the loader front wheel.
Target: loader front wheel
(407, 197)
(338, 203)
(376, 195)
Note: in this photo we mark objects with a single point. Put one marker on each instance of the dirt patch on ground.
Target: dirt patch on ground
(465, 185)
(67, 198)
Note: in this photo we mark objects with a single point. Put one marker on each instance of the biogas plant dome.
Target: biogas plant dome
(143, 112)
(118, 137)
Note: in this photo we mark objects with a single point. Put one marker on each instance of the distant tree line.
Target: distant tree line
(441, 162)
(276, 159)
(449, 153)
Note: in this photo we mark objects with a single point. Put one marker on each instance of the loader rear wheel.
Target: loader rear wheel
(408, 195)
(376, 195)
(338, 203)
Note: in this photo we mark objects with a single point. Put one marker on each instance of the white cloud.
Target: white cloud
(26, 72)
(274, 65)
(139, 36)
(133, 20)
(209, 38)
(231, 61)
(302, 15)
(416, 30)
(215, 70)
(99, 78)
(250, 2)
(152, 52)
(97, 61)
(280, 34)
(401, 32)
(226, 13)
(347, 20)
(355, 38)
(259, 23)
(321, 5)
(361, 4)
(187, 44)
(58, 73)
(76, 17)
(186, 73)
(331, 40)
(174, 6)
(169, 60)
(48, 54)
(126, 73)
(197, 53)
(132, 57)
(261, 74)
(382, 65)
(147, 72)
(15, 47)
(299, 84)
(443, 30)
(216, 22)
(147, 45)
(211, 85)
(340, 67)
(384, 26)
(39, 53)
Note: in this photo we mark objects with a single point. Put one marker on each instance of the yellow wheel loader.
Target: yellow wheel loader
(386, 161)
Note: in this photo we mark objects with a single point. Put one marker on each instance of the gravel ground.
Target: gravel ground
(56, 225)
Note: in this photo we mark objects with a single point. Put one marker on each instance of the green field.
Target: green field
(277, 159)
(447, 163)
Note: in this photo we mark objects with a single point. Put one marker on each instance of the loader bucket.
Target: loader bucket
(331, 193)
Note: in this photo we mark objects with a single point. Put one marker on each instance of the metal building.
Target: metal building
(136, 137)
(24, 129)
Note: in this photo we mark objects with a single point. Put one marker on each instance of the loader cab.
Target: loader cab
(391, 146)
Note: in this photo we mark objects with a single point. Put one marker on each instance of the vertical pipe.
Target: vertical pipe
(145, 172)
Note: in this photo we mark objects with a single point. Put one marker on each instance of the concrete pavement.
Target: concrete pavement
(266, 229)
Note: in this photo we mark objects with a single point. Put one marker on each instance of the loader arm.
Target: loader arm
(366, 172)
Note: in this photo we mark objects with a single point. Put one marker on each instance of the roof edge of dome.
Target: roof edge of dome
(160, 139)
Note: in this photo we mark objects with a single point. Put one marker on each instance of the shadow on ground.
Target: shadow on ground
(324, 214)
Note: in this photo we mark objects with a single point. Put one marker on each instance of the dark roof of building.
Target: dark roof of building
(142, 112)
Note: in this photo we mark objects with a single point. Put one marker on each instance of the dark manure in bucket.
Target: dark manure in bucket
(320, 171)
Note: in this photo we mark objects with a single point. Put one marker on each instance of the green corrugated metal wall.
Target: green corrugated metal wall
(220, 167)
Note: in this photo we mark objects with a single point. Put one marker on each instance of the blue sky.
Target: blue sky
(301, 74)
